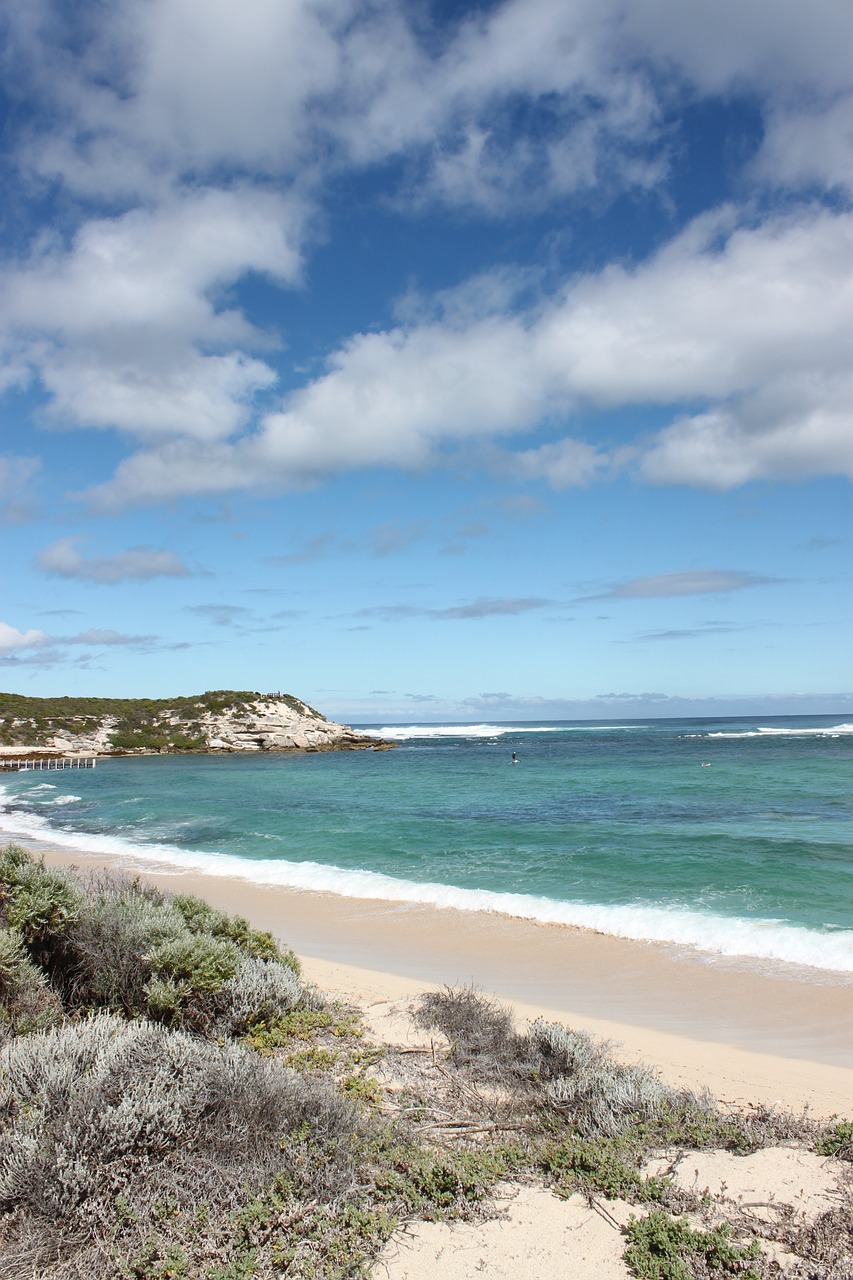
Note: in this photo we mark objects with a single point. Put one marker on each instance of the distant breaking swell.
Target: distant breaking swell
(716, 934)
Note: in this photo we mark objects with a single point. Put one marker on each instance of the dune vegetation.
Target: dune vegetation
(176, 1102)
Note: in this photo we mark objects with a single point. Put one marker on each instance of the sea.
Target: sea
(730, 837)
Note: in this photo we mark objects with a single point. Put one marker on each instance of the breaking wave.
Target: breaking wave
(405, 733)
(834, 731)
(828, 950)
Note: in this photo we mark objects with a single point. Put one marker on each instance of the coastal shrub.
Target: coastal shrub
(437, 1182)
(109, 1108)
(27, 1002)
(115, 929)
(203, 962)
(112, 942)
(200, 917)
(694, 1120)
(260, 991)
(188, 972)
(825, 1246)
(837, 1140)
(586, 1083)
(40, 901)
(570, 1072)
(15, 965)
(480, 1031)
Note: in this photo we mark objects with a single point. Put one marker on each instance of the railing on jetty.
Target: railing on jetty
(17, 764)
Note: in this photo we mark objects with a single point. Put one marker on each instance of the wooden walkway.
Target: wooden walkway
(17, 764)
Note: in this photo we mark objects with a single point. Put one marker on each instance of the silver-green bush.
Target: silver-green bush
(96, 1105)
(39, 901)
(27, 1002)
(260, 990)
(114, 931)
(601, 1096)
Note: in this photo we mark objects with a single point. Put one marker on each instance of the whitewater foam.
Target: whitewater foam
(835, 731)
(404, 733)
(705, 932)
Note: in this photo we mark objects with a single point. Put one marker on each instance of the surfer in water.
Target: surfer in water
(514, 758)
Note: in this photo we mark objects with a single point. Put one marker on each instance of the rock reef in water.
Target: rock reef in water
(221, 721)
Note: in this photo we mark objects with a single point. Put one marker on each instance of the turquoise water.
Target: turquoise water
(732, 836)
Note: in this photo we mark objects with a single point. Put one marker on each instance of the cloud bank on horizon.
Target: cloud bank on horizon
(258, 254)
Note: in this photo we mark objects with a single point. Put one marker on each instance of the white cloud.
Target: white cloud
(791, 60)
(808, 146)
(62, 559)
(14, 641)
(38, 648)
(151, 95)
(126, 327)
(214, 131)
(751, 321)
(564, 463)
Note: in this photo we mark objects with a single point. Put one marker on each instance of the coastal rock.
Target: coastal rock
(271, 724)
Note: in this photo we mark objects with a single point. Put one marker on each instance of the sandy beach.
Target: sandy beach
(770, 1035)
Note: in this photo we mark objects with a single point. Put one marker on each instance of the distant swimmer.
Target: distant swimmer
(514, 758)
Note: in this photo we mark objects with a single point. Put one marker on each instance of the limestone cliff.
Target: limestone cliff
(224, 720)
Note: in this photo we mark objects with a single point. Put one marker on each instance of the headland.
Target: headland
(223, 720)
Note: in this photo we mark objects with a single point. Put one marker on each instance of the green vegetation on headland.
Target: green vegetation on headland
(176, 1103)
(152, 724)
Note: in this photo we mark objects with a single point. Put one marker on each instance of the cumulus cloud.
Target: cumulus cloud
(212, 165)
(124, 327)
(752, 320)
(272, 89)
(62, 559)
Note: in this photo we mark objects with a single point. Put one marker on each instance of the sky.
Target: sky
(429, 360)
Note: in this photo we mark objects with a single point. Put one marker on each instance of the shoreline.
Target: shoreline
(752, 1036)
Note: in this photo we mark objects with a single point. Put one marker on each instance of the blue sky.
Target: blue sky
(428, 361)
